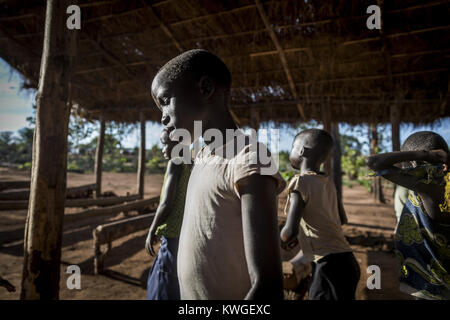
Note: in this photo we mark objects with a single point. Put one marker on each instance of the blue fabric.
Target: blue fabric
(423, 248)
(162, 281)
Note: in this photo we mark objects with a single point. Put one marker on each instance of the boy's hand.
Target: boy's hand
(166, 152)
(290, 244)
(151, 241)
(439, 156)
(288, 238)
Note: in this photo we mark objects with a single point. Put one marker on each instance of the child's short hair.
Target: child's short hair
(316, 137)
(424, 140)
(197, 63)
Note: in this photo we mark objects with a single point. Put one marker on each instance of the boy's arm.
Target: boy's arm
(166, 204)
(342, 213)
(290, 230)
(260, 227)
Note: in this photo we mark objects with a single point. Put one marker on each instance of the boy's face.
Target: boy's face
(296, 155)
(180, 102)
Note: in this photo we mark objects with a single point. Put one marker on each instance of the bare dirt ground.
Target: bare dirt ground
(369, 231)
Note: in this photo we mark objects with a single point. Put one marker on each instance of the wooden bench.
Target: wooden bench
(71, 203)
(139, 205)
(14, 184)
(105, 234)
(73, 192)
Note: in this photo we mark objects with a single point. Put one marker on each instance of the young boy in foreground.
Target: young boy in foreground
(229, 246)
(314, 214)
(422, 236)
(162, 281)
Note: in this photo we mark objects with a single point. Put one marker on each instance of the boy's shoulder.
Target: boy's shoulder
(314, 178)
(306, 181)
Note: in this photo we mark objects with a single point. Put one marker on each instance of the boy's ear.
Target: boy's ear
(207, 87)
(302, 151)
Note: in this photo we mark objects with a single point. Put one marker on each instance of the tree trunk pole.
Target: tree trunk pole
(327, 127)
(44, 222)
(395, 121)
(99, 158)
(377, 188)
(141, 160)
(395, 134)
(254, 119)
(337, 169)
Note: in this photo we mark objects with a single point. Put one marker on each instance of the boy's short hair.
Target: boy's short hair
(424, 140)
(197, 63)
(316, 137)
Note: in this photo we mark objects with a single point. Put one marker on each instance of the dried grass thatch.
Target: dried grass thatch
(291, 61)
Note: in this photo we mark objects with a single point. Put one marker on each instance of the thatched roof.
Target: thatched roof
(290, 60)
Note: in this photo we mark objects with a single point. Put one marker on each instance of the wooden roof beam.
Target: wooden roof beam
(157, 62)
(130, 64)
(386, 50)
(278, 103)
(368, 77)
(396, 35)
(353, 61)
(250, 6)
(281, 53)
(95, 3)
(18, 17)
(163, 26)
(99, 46)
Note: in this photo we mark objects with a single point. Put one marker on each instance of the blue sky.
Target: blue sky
(16, 106)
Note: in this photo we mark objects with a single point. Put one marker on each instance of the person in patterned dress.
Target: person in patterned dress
(422, 236)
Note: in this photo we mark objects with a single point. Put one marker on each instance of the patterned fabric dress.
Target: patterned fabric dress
(423, 245)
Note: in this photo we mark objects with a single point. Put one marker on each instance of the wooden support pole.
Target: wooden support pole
(377, 188)
(337, 169)
(395, 133)
(141, 160)
(235, 117)
(99, 158)
(395, 121)
(44, 222)
(254, 120)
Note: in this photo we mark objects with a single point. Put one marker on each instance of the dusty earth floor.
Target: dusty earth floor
(369, 231)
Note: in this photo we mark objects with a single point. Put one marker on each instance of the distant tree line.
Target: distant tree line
(16, 150)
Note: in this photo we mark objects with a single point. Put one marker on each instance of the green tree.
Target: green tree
(24, 146)
(7, 147)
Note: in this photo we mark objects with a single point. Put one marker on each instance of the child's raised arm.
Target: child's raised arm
(291, 228)
(385, 161)
(432, 194)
